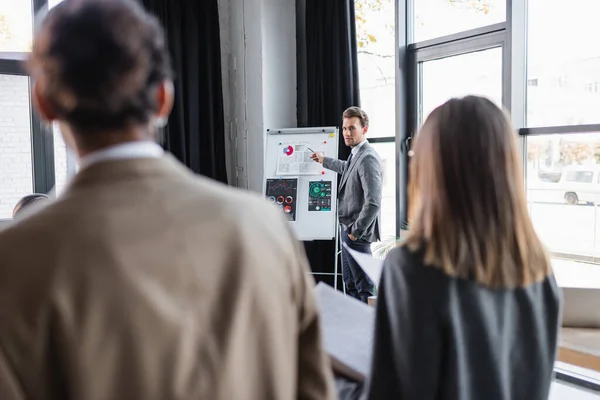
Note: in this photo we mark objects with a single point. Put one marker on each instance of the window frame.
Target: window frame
(398, 134)
(415, 54)
(512, 36)
(480, 39)
(559, 129)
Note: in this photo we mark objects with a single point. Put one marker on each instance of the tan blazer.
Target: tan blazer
(144, 281)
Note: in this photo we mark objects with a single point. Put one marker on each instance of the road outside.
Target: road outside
(566, 229)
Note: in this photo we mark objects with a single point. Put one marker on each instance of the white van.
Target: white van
(581, 184)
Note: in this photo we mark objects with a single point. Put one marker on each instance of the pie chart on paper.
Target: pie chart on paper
(288, 150)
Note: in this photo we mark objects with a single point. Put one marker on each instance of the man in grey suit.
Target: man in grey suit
(359, 199)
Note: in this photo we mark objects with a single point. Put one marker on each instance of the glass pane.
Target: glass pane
(16, 175)
(563, 82)
(563, 192)
(52, 3)
(562, 390)
(478, 73)
(16, 25)
(387, 153)
(376, 61)
(435, 18)
(60, 161)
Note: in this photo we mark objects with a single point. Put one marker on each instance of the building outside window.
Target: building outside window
(33, 158)
(375, 29)
(563, 159)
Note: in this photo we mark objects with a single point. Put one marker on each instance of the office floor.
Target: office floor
(565, 391)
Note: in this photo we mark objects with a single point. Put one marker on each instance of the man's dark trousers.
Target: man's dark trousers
(358, 284)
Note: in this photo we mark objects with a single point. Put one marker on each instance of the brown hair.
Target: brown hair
(99, 63)
(468, 211)
(356, 112)
(27, 201)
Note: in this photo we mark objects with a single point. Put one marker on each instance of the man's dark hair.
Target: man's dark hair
(356, 112)
(100, 62)
(27, 201)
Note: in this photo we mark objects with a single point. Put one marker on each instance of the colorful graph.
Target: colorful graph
(288, 150)
(319, 196)
(283, 193)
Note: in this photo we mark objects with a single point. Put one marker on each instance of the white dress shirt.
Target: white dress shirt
(129, 150)
(358, 146)
(145, 149)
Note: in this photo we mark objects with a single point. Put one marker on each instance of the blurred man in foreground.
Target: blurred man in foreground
(150, 282)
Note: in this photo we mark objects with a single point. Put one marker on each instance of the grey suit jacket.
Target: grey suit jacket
(359, 198)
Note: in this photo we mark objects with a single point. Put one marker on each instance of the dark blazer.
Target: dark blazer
(439, 337)
(359, 198)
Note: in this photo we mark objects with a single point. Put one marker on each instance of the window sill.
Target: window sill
(581, 377)
(576, 274)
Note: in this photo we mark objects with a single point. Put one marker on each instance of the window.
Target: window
(477, 73)
(435, 18)
(563, 172)
(376, 40)
(569, 56)
(387, 153)
(27, 157)
(16, 26)
(16, 174)
(376, 62)
(459, 49)
(53, 3)
(563, 158)
(580, 176)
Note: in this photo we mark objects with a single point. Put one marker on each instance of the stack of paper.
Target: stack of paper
(348, 328)
(372, 266)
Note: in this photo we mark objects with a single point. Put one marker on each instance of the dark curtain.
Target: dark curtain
(195, 133)
(328, 84)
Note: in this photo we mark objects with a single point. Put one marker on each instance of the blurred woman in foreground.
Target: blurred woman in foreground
(468, 307)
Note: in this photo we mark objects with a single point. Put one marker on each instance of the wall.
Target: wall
(15, 142)
(279, 64)
(259, 79)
